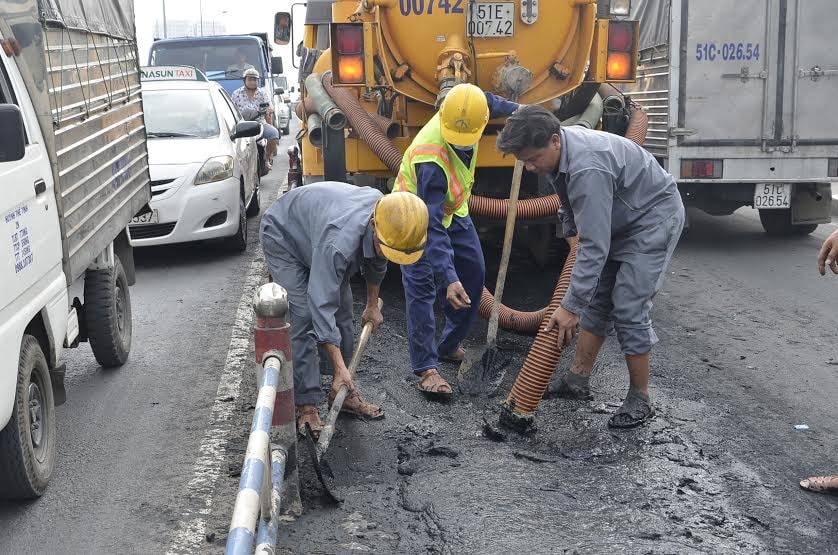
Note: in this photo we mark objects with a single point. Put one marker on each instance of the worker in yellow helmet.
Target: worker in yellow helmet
(315, 238)
(439, 167)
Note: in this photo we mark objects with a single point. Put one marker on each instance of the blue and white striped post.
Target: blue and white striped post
(263, 487)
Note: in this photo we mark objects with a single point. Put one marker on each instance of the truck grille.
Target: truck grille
(150, 231)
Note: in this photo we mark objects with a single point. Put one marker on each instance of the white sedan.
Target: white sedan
(202, 160)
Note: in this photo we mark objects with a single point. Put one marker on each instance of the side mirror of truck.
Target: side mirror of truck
(246, 129)
(13, 137)
(276, 65)
(282, 28)
(279, 91)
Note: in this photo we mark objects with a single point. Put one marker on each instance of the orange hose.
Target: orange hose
(543, 357)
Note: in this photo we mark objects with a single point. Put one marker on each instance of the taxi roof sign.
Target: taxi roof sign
(172, 73)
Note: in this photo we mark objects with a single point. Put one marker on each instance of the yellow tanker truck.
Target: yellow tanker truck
(373, 71)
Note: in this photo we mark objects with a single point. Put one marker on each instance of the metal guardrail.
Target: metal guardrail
(269, 486)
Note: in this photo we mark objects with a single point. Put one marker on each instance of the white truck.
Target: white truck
(74, 171)
(739, 97)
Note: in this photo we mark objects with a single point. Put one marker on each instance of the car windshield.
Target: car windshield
(225, 59)
(180, 113)
(280, 82)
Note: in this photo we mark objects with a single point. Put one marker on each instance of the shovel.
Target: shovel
(483, 368)
(317, 450)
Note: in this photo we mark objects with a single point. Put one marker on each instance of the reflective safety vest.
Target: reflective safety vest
(429, 146)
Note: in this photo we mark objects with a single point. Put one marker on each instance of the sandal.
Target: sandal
(636, 410)
(574, 386)
(308, 414)
(434, 386)
(356, 406)
(820, 484)
(456, 357)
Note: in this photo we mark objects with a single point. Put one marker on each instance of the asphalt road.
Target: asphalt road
(128, 439)
(747, 352)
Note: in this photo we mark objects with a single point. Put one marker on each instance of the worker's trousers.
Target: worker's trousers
(422, 290)
(293, 276)
(630, 278)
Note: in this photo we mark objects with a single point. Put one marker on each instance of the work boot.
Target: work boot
(574, 386)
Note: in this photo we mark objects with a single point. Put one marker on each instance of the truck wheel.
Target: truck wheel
(777, 223)
(286, 130)
(107, 312)
(27, 443)
(238, 242)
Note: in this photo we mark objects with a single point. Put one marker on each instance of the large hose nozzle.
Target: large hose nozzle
(323, 103)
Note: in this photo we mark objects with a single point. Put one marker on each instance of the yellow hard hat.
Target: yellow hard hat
(464, 114)
(401, 225)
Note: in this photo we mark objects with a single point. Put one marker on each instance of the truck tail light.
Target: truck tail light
(833, 167)
(350, 38)
(351, 69)
(620, 36)
(701, 169)
(622, 50)
(348, 42)
(618, 67)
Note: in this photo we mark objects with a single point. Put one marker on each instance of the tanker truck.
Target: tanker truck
(373, 72)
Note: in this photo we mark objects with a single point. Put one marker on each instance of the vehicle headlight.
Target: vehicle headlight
(620, 7)
(215, 169)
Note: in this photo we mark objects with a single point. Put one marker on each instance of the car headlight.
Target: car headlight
(215, 169)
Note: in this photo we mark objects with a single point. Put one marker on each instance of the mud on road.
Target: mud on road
(715, 471)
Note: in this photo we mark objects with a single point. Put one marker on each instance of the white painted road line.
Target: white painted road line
(190, 536)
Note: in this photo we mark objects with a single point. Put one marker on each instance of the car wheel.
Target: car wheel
(238, 242)
(27, 443)
(254, 206)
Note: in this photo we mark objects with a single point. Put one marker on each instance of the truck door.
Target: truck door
(728, 85)
(30, 239)
(812, 72)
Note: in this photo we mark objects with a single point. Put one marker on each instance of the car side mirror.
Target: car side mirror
(13, 137)
(282, 28)
(276, 65)
(246, 129)
(279, 91)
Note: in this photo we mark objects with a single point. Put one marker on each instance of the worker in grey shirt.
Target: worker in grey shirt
(624, 213)
(315, 239)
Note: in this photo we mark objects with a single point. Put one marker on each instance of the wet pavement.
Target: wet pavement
(746, 353)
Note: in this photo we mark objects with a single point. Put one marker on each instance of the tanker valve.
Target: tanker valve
(511, 79)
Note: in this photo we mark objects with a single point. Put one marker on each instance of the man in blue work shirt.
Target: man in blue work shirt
(627, 213)
(315, 239)
(439, 167)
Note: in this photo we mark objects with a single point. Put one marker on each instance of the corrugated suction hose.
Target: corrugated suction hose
(543, 357)
(364, 125)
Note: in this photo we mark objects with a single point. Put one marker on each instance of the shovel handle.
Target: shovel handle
(343, 391)
(511, 214)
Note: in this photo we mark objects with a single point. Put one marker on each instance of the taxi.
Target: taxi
(202, 161)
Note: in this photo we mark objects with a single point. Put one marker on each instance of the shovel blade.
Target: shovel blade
(319, 468)
(482, 370)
